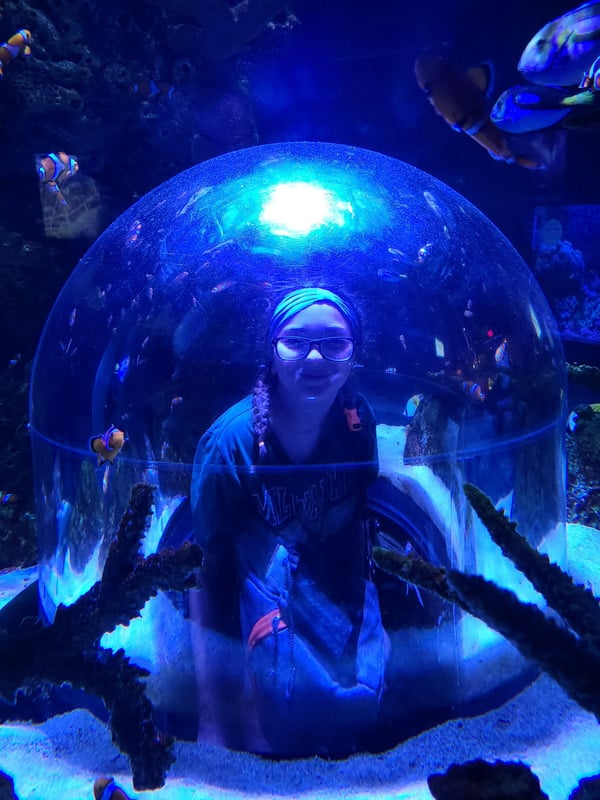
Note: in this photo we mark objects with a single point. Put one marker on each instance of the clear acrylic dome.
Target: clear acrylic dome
(163, 324)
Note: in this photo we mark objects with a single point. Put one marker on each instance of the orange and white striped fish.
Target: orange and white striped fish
(17, 45)
(54, 169)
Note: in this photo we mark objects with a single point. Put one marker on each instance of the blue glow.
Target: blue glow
(297, 208)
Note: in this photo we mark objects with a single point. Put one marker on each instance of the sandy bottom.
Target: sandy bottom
(541, 726)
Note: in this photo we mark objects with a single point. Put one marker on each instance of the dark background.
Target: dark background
(339, 71)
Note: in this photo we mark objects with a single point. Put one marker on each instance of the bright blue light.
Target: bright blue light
(297, 208)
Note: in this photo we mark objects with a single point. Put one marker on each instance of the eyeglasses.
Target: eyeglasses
(293, 348)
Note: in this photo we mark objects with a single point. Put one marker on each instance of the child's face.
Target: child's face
(313, 377)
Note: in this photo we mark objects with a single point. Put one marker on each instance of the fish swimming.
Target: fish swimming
(561, 52)
(474, 391)
(462, 99)
(146, 89)
(54, 169)
(522, 109)
(390, 275)
(17, 45)
(108, 445)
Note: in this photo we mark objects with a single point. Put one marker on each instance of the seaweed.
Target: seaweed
(69, 651)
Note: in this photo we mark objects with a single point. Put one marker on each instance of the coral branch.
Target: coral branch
(576, 604)
(416, 571)
(557, 651)
(571, 657)
(150, 752)
(69, 651)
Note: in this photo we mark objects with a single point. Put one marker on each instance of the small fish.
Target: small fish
(468, 312)
(412, 404)
(17, 45)
(402, 340)
(462, 98)
(424, 252)
(474, 390)
(108, 445)
(501, 355)
(561, 52)
(572, 421)
(220, 287)
(107, 789)
(54, 169)
(146, 89)
(122, 368)
(133, 233)
(531, 108)
(390, 370)
(7, 497)
(389, 275)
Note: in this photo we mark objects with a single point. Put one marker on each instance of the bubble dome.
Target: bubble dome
(162, 326)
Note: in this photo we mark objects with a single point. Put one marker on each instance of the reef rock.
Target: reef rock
(583, 450)
(480, 780)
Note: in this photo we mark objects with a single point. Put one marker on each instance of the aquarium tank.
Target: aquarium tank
(163, 324)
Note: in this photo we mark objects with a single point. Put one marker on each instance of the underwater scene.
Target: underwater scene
(300, 400)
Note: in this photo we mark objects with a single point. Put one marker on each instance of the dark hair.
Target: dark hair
(292, 304)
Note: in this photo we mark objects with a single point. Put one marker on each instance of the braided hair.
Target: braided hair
(261, 408)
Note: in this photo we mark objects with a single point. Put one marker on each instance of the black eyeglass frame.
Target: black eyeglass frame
(310, 343)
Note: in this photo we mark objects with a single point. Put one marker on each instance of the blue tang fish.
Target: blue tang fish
(561, 52)
(532, 108)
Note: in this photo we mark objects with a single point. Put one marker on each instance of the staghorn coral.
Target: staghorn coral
(69, 650)
(568, 650)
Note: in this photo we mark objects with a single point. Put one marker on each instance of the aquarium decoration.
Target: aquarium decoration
(569, 650)
(69, 650)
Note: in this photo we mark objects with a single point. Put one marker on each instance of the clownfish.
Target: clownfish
(107, 789)
(461, 97)
(108, 445)
(474, 391)
(17, 45)
(54, 169)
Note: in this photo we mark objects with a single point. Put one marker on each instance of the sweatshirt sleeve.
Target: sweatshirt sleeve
(214, 487)
(216, 500)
